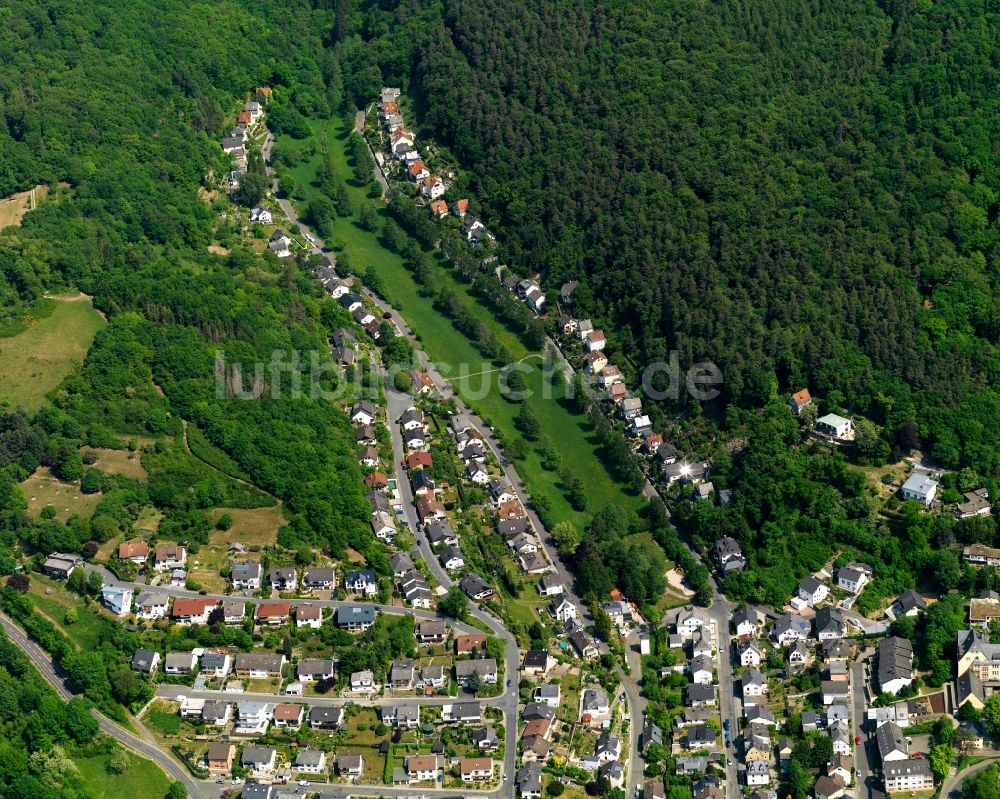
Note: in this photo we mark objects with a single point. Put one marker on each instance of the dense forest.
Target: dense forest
(125, 107)
(802, 192)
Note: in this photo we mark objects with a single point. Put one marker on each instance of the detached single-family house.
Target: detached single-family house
(920, 487)
(834, 426)
(246, 576)
(151, 605)
(751, 653)
(853, 578)
(812, 591)
(362, 581)
(117, 599)
(355, 618)
(169, 557)
(319, 579)
(136, 551)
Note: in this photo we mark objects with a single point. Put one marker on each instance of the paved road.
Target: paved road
(41, 660)
(863, 753)
(729, 706)
(952, 784)
(169, 691)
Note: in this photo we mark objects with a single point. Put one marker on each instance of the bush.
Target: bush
(224, 522)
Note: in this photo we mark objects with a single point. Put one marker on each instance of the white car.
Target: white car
(310, 238)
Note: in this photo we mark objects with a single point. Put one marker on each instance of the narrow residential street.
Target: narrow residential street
(863, 752)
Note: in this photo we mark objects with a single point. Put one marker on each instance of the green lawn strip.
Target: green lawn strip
(141, 778)
(569, 431)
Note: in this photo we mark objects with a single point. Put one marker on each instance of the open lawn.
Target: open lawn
(35, 361)
(120, 461)
(142, 778)
(42, 489)
(251, 527)
(570, 431)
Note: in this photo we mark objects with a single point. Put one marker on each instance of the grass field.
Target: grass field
(257, 527)
(42, 489)
(571, 432)
(120, 461)
(35, 361)
(86, 631)
(141, 778)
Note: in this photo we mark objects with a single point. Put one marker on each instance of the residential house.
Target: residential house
(259, 665)
(288, 715)
(192, 611)
(754, 685)
(750, 653)
(151, 605)
(891, 743)
(316, 669)
(537, 662)
(350, 764)
(283, 579)
(550, 585)
(220, 757)
(362, 681)
(169, 557)
(135, 550)
(216, 664)
(895, 664)
(273, 614)
(486, 668)
(180, 662)
(528, 781)
(976, 504)
(584, 644)
(355, 618)
(799, 401)
(920, 487)
(798, 654)
(828, 788)
(145, 661)
(595, 709)
(326, 718)
(233, 611)
(260, 760)
(548, 694)
(467, 644)
(475, 768)
(910, 775)
(758, 773)
(484, 739)
(308, 616)
(117, 599)
(854, 577)
(319, 579)
(246, 576)
(690, 620)
(362, 581)
(789, 628)
(562, 609)
(748, 620)
(363, 412)
(702, 669)
(834, 426)
(909, 603)
(310, 761)
(451, 558)
(830, 624)
(462, 713)
(834, 691)
(812, 591)
(698, 695)
(475, 587)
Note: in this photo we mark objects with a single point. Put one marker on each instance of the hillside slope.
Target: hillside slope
(803, 192)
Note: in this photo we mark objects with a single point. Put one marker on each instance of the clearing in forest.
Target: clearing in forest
(13, 208)
(43, 488)
(35, 361)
